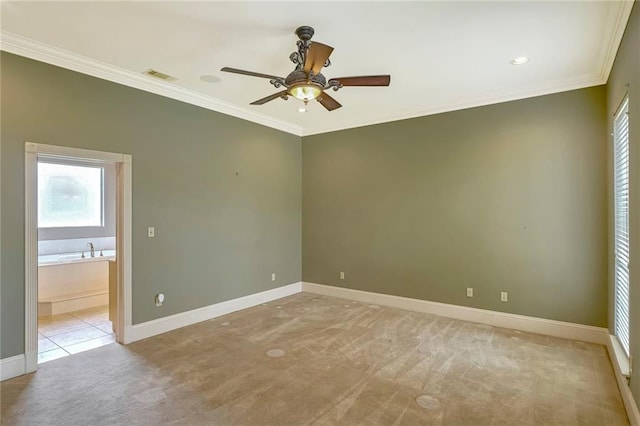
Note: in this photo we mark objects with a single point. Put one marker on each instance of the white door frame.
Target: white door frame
(123, 239)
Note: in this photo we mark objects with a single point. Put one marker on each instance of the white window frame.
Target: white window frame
(108, 227)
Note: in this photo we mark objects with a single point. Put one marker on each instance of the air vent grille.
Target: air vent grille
(159, 75)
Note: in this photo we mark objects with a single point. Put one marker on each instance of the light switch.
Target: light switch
(151, 232)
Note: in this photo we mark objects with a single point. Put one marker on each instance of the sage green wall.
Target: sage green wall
(218, 235)
(508, 197)
(625, 78)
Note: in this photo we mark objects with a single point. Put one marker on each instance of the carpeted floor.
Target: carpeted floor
(310, 359)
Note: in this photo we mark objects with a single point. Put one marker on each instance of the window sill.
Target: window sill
(621, 357)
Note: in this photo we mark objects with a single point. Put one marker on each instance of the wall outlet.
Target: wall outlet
(342, 275)
(159, 299)
(504, 297)
(151, 232)
(273, 277)
(469, 292)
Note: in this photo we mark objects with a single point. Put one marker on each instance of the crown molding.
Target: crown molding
(42, 52)
(619, 14)
(473, 101)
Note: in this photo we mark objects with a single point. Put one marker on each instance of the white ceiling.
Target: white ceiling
(441, 56)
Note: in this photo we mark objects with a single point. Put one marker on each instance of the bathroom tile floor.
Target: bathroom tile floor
(65, 334)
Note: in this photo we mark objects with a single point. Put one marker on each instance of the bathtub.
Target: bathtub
(56, 259)
(68, 282)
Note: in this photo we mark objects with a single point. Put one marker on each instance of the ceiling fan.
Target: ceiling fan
(306, 82)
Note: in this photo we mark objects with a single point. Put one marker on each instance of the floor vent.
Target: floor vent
(159, 75)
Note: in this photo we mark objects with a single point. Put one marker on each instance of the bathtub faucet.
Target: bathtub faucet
(93, 251)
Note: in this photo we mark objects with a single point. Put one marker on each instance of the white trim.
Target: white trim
(123, 241)
(547, 327)
(77, 153)
(123, 238)
(621, 378)
(31, 358)
(619, 355)
(183, 319)
(616, 25)
(23, 46)
(31, 254)
(12, 367)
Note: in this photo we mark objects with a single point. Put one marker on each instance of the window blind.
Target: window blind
(621, 223)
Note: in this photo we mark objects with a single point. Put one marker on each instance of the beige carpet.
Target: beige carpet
(316, 360)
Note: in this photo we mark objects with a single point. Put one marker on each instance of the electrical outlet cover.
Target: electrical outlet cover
(159, 299)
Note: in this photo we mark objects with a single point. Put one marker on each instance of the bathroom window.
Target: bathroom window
(70, 196)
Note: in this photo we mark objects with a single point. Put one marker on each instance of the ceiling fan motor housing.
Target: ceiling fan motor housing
(301, 76)
(304, 33)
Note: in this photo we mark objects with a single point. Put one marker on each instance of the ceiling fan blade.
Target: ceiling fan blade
(364, 80)
(249, 73)
(269, 98)
(328, 102)
(317, 56)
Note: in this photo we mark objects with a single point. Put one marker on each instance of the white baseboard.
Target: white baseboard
(621, 377)
(547, 327)
(12, 367)
(183, 319)
(31, 361)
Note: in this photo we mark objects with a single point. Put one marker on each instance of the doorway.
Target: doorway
(78, 291)
(76, 256)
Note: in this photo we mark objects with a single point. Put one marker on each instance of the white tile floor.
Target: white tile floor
(73, 332)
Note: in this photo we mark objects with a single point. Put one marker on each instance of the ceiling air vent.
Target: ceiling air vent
(159, 75)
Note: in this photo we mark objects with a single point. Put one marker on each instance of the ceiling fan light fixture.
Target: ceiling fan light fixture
(306, 81)
(305, 92)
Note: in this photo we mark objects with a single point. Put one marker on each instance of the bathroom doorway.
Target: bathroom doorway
(77, 237)
(76, 255)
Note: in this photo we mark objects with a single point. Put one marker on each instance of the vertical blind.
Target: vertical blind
(621, 213)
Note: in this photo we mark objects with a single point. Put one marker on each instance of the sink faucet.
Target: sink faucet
(93, 251)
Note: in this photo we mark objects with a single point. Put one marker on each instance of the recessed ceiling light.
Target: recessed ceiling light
(302, 110)
(519, 61)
